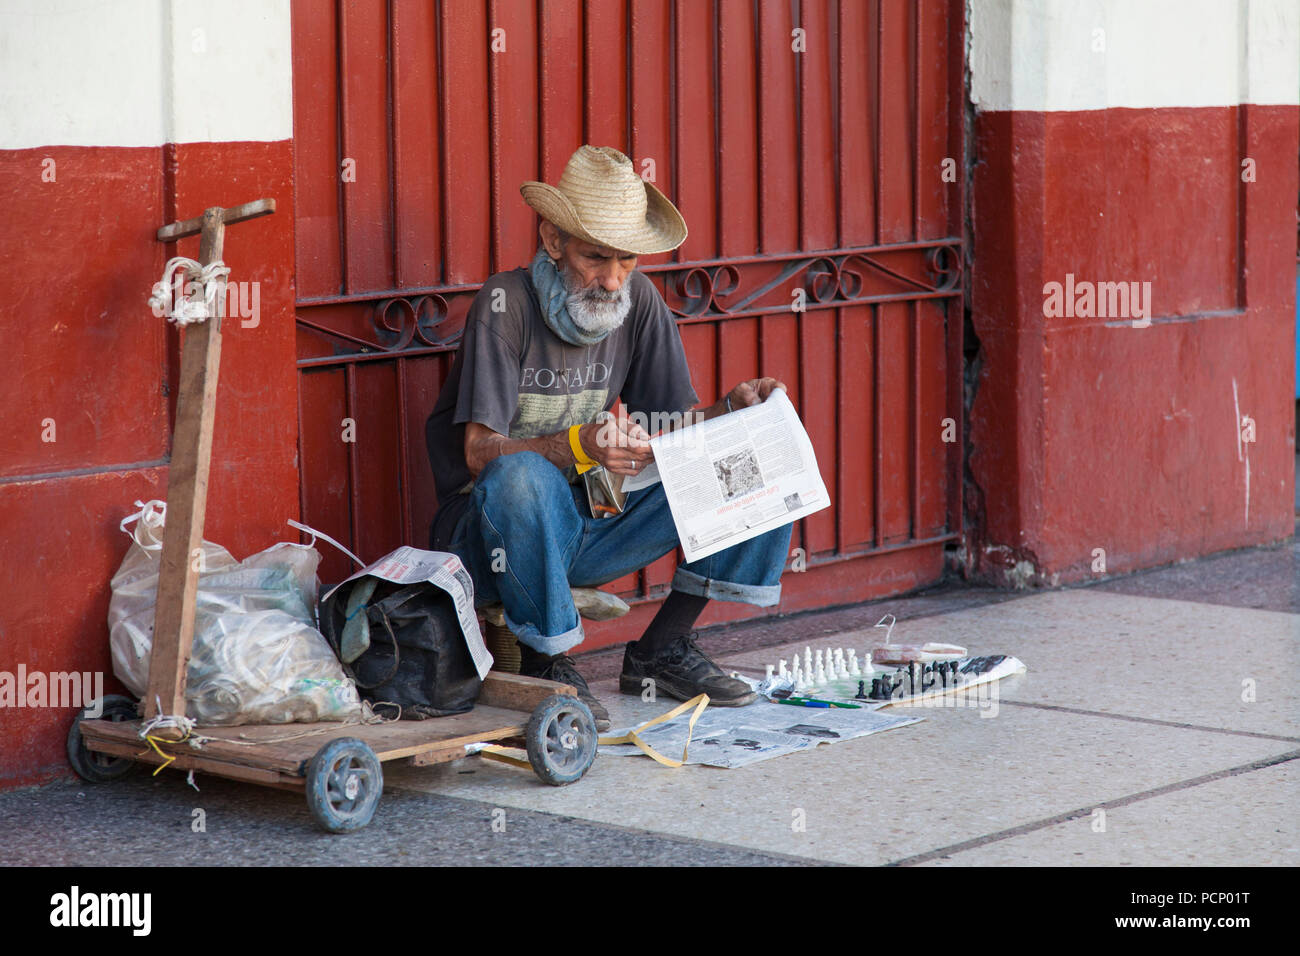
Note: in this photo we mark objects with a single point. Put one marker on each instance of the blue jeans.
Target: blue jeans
(526, 538)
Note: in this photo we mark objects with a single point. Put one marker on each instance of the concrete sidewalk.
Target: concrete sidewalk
(1132, 740)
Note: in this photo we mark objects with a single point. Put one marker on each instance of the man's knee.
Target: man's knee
(524, 479)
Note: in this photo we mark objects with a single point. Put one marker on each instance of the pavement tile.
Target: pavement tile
(1248, 819)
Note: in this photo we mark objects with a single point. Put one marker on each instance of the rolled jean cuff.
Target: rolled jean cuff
(760, 595)
(528, 634)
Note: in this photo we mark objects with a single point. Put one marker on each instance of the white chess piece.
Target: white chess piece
(781, 670)
(821, 668)
(807, 660)
(841, 670)
(854, 669)
(771, 669)
(796, 675)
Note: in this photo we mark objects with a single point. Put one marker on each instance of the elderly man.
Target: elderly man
(547, 351)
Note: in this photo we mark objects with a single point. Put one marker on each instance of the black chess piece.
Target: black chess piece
(861, 694)
(928, 670)
(911, 678)
(942, 670)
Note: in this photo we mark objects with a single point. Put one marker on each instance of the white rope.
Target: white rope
(202, 305)
(178, 722)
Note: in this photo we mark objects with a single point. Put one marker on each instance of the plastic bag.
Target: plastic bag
(257, 656)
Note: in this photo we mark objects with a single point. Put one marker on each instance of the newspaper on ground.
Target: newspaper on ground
(443, 570)
(737, 737)
(736, 476)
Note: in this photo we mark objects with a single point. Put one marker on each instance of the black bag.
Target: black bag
(417, 660)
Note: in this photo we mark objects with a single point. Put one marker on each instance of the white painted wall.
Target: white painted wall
(144, 72)
(1040, 54)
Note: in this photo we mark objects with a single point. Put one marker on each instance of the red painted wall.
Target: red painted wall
(1086, 435)
(85, 350)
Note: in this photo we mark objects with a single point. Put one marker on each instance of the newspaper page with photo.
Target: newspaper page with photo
(409, 565)
(737, 476)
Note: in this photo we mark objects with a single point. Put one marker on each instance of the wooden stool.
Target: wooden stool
(592, 604)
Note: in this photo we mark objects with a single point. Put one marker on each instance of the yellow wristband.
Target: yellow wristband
(580, 457)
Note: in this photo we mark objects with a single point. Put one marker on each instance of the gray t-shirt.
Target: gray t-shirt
(514, 375)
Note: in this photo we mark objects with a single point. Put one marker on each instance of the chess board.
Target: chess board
(969, 679)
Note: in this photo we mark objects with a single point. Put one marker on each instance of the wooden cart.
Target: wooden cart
(339, 766)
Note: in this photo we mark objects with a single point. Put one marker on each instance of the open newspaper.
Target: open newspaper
(736, 476)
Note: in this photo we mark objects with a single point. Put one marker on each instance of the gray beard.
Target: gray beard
(593, 309)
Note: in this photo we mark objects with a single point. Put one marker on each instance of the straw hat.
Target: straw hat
(602, 200)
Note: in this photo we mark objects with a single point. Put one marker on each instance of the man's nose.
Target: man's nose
(610, 278)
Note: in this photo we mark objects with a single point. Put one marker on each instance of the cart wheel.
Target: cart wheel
(561, 740)
(98, 767)
(344, 783)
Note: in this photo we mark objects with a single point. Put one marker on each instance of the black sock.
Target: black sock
(531, 659)
(675, 619)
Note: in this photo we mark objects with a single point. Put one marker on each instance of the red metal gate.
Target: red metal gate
(806, 143)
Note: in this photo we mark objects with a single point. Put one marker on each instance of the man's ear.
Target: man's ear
(550, 234)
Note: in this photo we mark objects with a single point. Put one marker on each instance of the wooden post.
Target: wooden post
(187, 476)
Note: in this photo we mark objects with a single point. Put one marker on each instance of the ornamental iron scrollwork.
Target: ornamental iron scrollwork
(422, 322)
(700, 291)
(428, 322)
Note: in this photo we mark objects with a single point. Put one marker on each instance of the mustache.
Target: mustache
(595, 293)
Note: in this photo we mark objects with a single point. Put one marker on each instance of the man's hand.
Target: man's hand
(622, 446)
(753, 392)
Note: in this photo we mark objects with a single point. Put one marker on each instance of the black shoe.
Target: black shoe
(561, 669)
(682, 670)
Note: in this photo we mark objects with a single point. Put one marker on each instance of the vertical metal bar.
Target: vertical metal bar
(718, 382)
(718, 219)
(673, 147)
(914, 22)
(404, 455)
(839, 99)
(914, 309)
(586, 69)
(340, 79)
(494, 150)
(877, 503)
(444, 140)
(394, 148)
(877, 149)
(958, 225)
(836, 105)
(630, 99)
(539, 97)
(759, 79)
(354, 469)
(838, 433)
(801, 197)
(302, 457)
